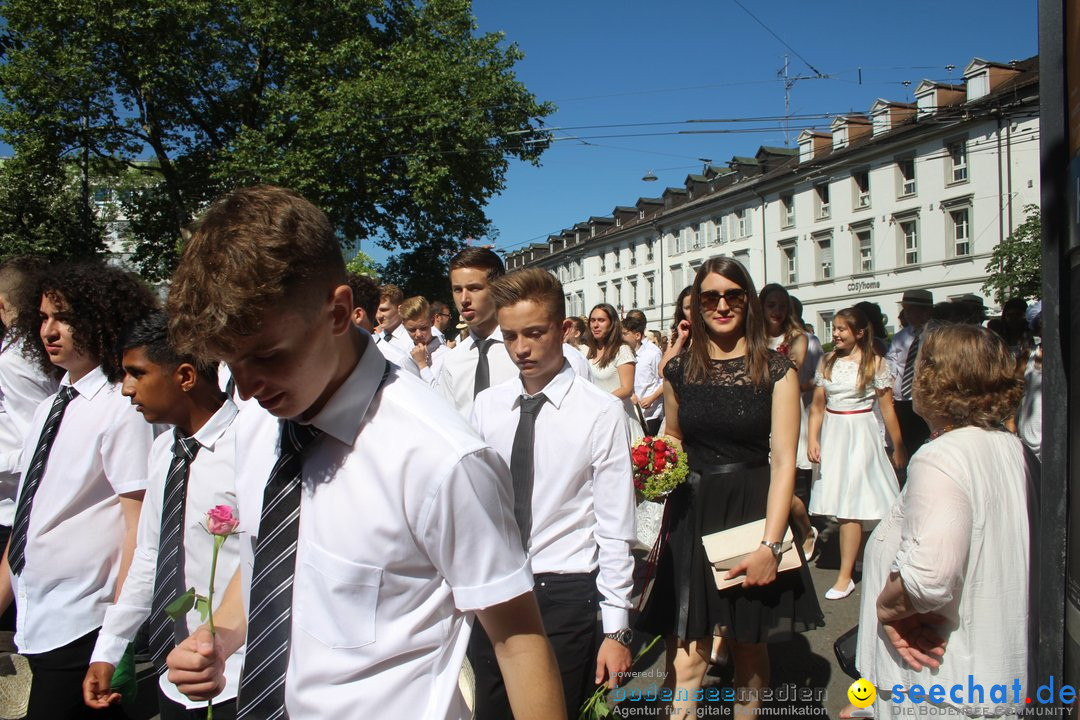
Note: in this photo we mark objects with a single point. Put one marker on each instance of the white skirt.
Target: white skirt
(856, 480)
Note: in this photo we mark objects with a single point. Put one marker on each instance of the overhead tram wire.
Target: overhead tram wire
(782, 41)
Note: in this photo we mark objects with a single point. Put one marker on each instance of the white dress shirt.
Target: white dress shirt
(430, 374)
(647, 378)
(583, 485)
(23, 385)
(210, 483)
(76, 526)
(577, 361)
(399, 338)
(459, 370)
(958, 535)
(406, 525)
(896, 357)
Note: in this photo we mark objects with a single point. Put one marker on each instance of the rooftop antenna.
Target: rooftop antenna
(789, 83)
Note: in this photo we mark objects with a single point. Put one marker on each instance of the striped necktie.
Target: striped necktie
(169, 579)
(17, 548)
(907, 382)
(262, 683)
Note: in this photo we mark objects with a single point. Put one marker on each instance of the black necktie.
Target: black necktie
(388, 336)
(483, 370)
(907, 382)
(521, 464)
(17, 548)
(169, 578)
(262, 682)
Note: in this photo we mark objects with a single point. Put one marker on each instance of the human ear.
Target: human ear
(185, 376)
(341, 309)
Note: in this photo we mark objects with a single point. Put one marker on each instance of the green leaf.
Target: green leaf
(180, 607)
(203, 606)
(602, 710)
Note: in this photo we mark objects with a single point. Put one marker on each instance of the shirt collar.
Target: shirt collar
(495, 335)
(216, 426)
(344, 412)
(557, 387)
(89, 384)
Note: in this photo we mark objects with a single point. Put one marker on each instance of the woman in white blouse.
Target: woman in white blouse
(611, 359)
(946, 572)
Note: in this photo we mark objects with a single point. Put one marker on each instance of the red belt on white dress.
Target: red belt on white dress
(850, 412)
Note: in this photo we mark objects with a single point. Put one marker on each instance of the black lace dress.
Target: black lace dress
(725, 424)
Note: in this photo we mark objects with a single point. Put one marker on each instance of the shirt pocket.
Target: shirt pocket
(336, 599)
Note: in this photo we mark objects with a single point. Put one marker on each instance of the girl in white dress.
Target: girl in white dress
(856, 481)
(612, 361)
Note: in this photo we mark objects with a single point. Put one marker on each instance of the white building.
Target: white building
(910, 195)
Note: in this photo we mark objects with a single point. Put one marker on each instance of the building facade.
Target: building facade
(908, 195)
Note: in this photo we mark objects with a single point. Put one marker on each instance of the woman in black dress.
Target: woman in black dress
(726, 398)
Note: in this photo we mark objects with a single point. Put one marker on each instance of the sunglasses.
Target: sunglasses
(710, 299)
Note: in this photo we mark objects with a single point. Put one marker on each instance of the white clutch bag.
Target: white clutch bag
(728, 548)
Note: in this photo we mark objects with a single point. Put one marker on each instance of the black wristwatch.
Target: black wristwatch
(623, 637)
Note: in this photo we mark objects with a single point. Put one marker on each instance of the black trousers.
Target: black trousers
(56, 689)
(568, 610)
(169, 710)
(913, 429)
(653, 426)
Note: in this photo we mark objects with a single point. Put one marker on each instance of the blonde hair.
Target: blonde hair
(414, 308)
(966, 375)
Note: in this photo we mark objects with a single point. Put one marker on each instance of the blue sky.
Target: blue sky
(606, 62)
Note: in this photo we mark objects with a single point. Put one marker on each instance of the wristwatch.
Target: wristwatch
(623, 637)
(776, 548)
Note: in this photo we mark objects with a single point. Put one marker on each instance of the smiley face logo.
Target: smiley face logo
(861, 693)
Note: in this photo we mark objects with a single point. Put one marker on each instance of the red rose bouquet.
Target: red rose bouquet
(659, 467)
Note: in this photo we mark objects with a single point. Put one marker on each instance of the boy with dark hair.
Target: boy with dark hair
(478, 361)
(365, 295)
(648, 385)
(568, 448)
(191, 471)
(374, 521)
(388, 319)
(83, 475)
(440, 320)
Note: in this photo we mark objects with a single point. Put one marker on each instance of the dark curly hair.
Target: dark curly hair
(101, 303)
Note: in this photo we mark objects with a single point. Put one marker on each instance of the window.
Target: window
(649, 291)
(633, 255)
(617, 300)
(695, 232)
(616, 253)
(961, 231)
(864, 246)
(649, 246)
(862, 188)
(579, 307)
(824, 258)
(744, 223)
(603, 262)
(957, 162)
(906, 168)
(677, 279)
(721, 231)
(821, 198)
(787, 210)
(789, 264)
(603, 292)
(909, 232)
(825, 320)
(633, 293)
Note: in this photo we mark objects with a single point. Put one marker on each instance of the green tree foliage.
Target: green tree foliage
(394, 116)
(363, 264)
(42, 211)
(1015, 267)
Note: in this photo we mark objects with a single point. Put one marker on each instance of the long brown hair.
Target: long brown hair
(698, 363)
(605, 349)
(857, 321)
(790, 327)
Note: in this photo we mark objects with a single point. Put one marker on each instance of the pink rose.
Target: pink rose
(222, 520)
